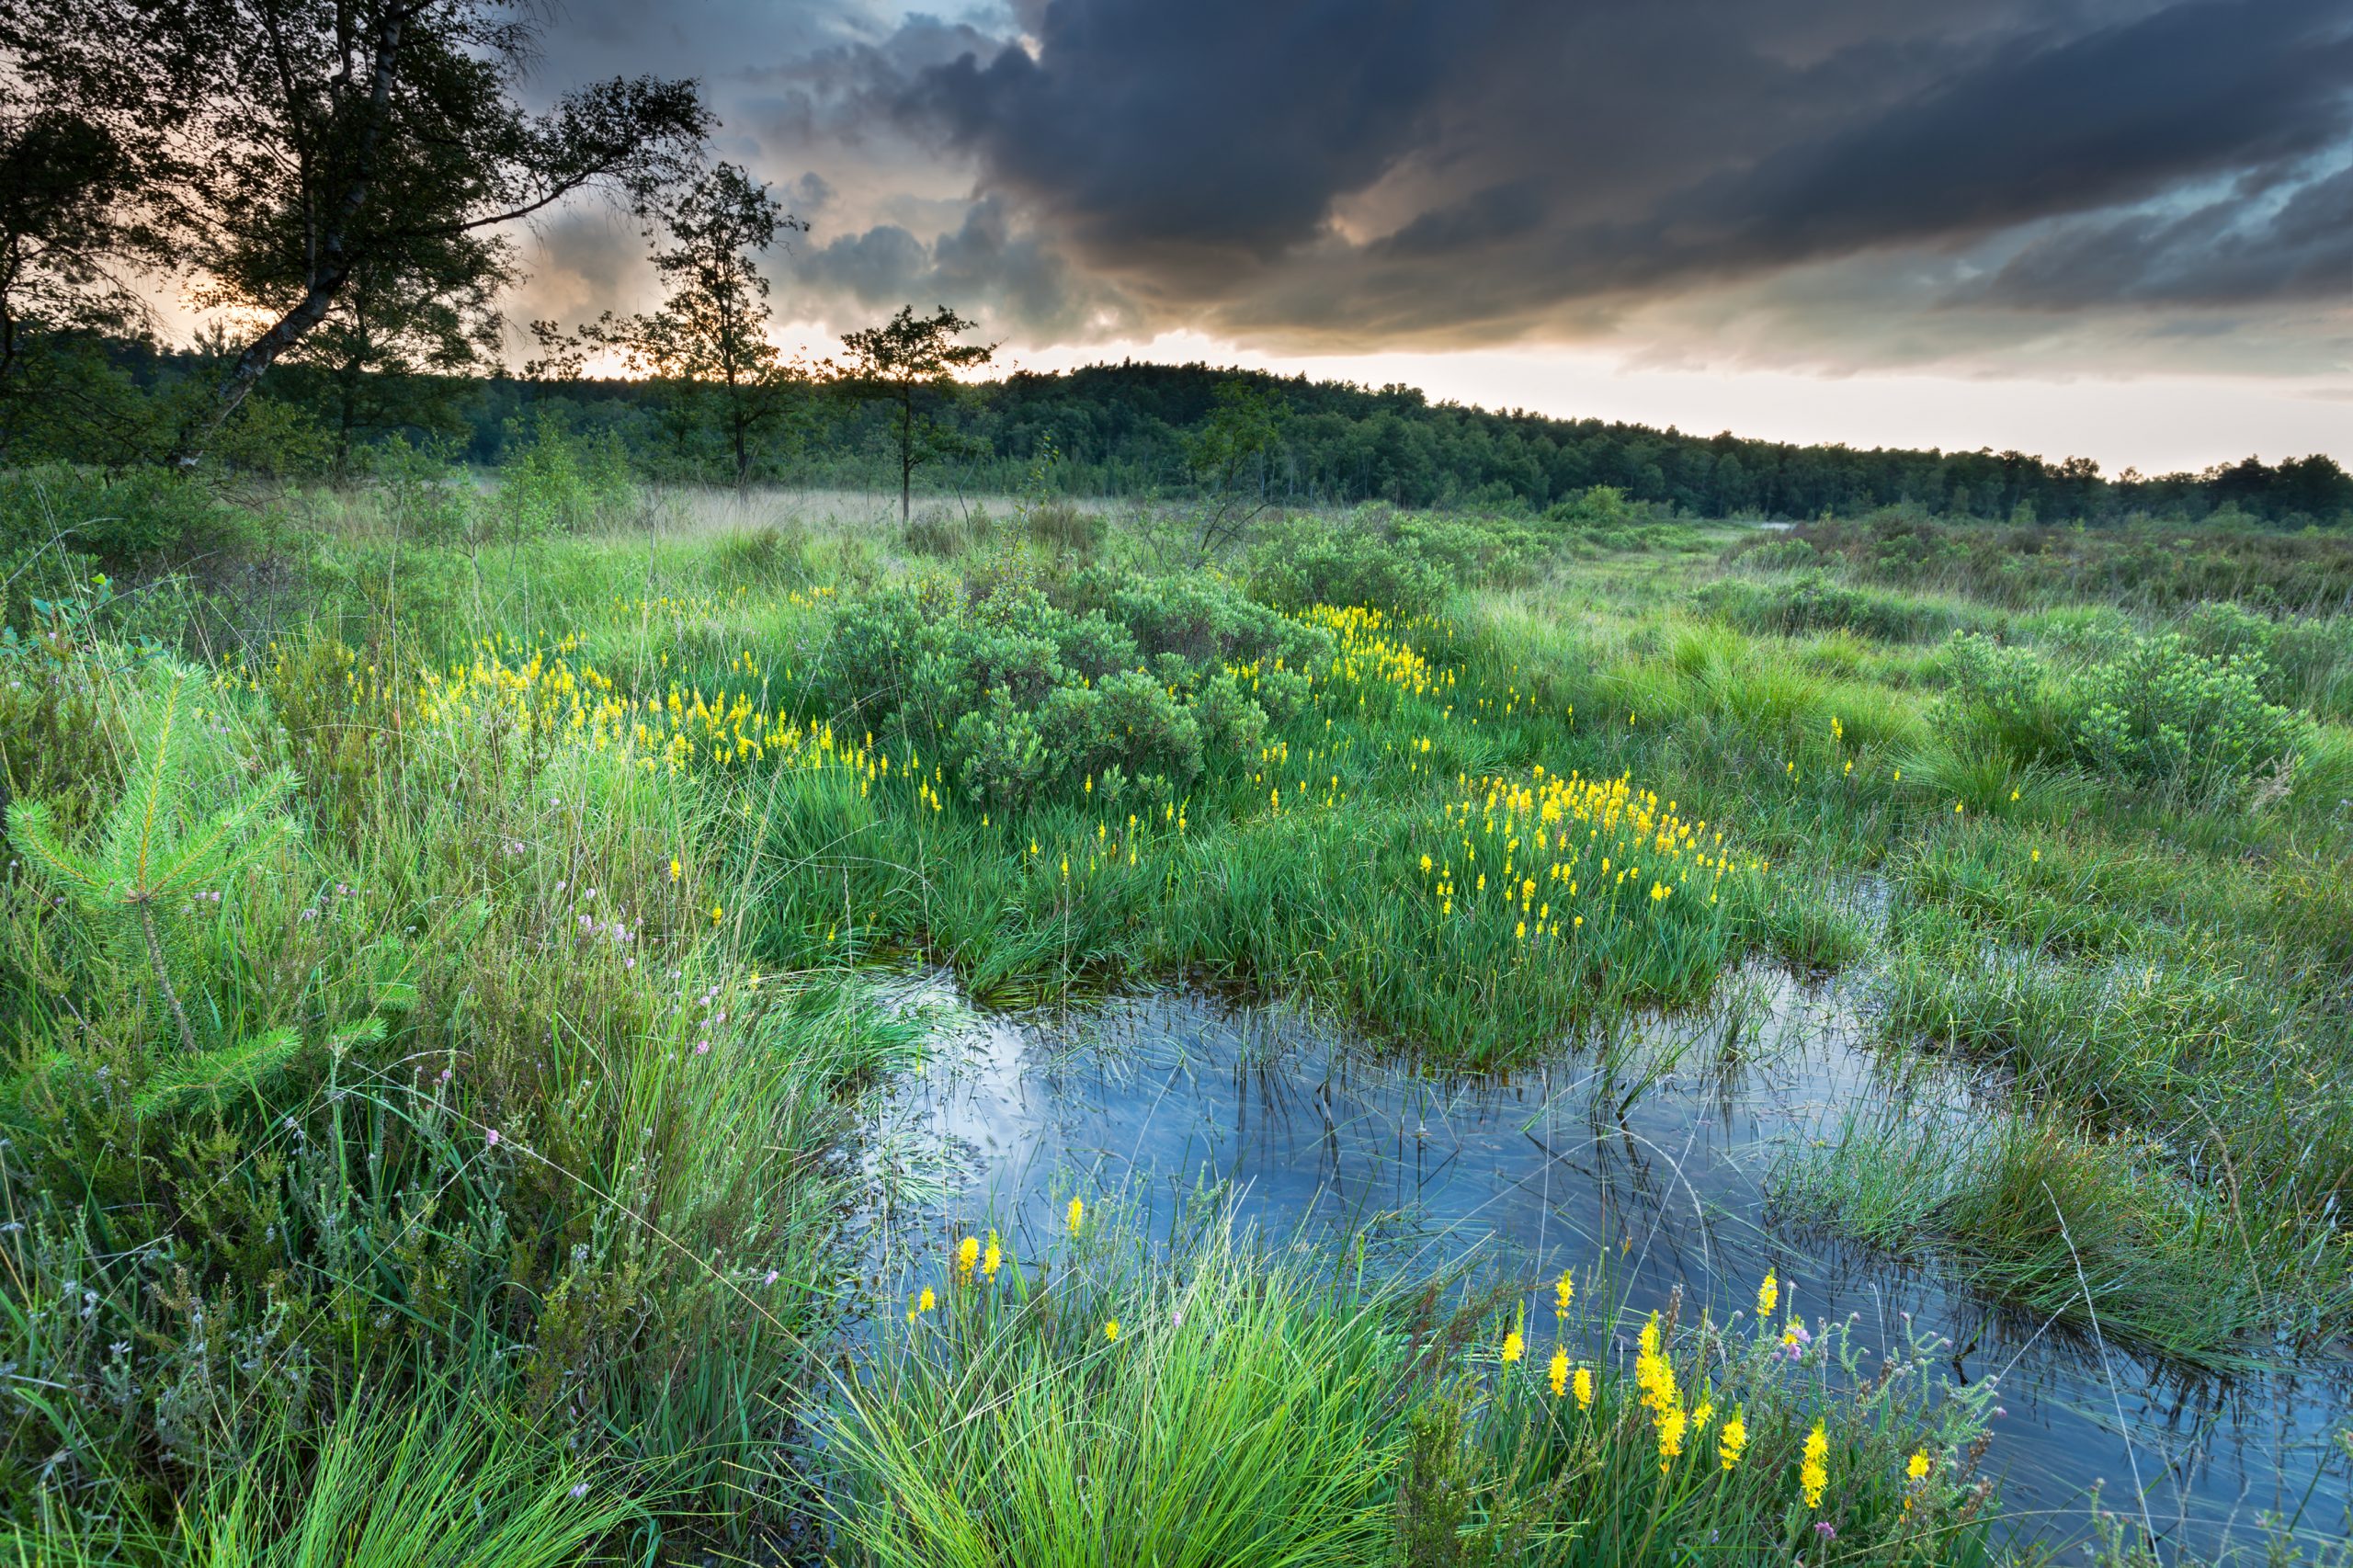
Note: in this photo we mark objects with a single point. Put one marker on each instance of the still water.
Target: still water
(1663, 1169)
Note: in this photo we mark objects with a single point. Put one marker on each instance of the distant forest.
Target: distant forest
(1130, 429)
(1120, 430)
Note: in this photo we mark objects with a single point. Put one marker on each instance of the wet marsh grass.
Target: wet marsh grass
(644, 1261)
(1231, 1402)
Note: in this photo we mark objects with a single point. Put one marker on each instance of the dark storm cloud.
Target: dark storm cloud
(1350, 173)
(1524, 156)
(2214, 253)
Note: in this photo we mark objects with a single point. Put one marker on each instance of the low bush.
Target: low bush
(118, 520)
(1309, 561)
(1130, 684)
(2156, 714)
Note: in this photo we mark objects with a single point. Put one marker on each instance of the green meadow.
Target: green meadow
(438, 1007)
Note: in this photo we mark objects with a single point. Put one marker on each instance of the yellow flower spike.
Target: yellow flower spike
(1767, 1295)
(1513, 1347)
(676, 870)
(1075, 1217)
(1111, 1331)
(1564, 1290)
(1582, 1385)
(1814, 1474)
(1732, 1441)
(928, 1302)
(1671, 1423)
(1560, 1372)
(1917, 1468)
(968, 1257)
(992, 1258)
(717, 913)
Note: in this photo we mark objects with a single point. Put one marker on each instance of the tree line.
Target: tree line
(1137, 429)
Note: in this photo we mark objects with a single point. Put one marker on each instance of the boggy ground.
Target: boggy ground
(435, 1023)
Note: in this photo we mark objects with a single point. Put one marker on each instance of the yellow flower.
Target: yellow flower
(1731, 1440)
(990, 1259)
(675, 869)
(1564, 1290)
(1076, 1217)
(717, 913)
(1814, 1474)
(1560, 1372)
(968, 1257)
(928, 1302)
(1582, 1384)
(1513, 1347)
(1917, 1468)
(1670, 1437)
(1767, 1295)
(1111, 1330)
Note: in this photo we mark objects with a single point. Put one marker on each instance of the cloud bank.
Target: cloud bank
(2116, 185)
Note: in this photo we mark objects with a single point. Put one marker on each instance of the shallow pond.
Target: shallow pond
(1142, 1101)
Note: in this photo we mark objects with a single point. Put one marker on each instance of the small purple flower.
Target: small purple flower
(702, 1047)
(580, 1489)
(771, 1278)
(491, 1137)
(1825, 1529)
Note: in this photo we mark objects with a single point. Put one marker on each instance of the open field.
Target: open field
(446, 991)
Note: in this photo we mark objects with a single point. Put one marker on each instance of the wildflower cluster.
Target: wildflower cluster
(1552, 848)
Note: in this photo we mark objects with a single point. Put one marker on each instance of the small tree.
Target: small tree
(900, 362)
(709, 341)
(1228, 455)
(152, 852)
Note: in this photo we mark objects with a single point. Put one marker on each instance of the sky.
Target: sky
(2121, 228)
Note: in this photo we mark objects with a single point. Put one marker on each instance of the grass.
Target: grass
(1217, 1405)
(486, 1113)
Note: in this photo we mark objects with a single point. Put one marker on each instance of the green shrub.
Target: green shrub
(2159, 713)
(553, 481)
(1302, 564)
(119, 519)
(1121, 688)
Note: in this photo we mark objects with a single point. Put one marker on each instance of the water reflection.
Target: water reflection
(1658, 1168)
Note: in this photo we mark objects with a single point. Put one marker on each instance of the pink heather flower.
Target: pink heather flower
(771, 1278)
(702, 1047)
(491, 1137)
(1825, 1529)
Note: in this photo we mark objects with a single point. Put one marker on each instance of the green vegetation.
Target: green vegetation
(436, 1033)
